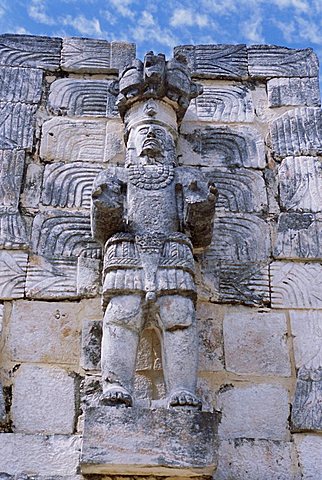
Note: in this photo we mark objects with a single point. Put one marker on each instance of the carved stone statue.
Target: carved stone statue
(150, 215)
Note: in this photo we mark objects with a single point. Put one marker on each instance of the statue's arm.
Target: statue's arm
(107, 205)
(199, 200)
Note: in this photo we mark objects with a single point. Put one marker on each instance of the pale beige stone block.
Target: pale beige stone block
(209, 319)
(309, 448)
(307, 338)
(43, 400)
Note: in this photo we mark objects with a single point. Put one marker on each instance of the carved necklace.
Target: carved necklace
(151, 177)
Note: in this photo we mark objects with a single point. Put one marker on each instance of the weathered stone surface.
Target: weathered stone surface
(12, 230)
(297, 132)
(299, 235)
(17, 125)
(88, 276)
(215, 61)
(309, 451)
(32, 186)
(307, 409)
(265, 61)
(51, 278)
(300, 184)
(283, 92)
(91, 344)
(11, 172)
(63, 233)
(30, 51)
(13, 267)
(2, 406)
(69, 185)
(256, 460)
(307, 333)
(209, 319)
(222, 147)
(128, 441)
(220, 102)
(20, 85)
(1, 318)
(296, 285)
(52, 328)
(259, 411)
(69, 96)
(256, 343)
(240, 190)
(82, 140)
(43, 400)
(47, 455)
(96, 56)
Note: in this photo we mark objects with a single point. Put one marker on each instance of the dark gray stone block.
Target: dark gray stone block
(20, 84)
(215, 61)
(307, 407)
(91, 345)
(30, 51)
(17, 125)
(283, 92)
(265, 61)
(129, 441)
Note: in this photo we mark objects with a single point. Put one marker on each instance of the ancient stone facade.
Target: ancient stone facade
(256, 134)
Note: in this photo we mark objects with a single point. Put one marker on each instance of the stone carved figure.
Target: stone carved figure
(149, 215)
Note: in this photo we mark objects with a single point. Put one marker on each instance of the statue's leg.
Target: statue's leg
(122, 324)
(180, 349)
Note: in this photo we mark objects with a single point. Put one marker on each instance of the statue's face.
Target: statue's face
(150, 140)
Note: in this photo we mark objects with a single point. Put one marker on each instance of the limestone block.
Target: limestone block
(240, 190)
(51, 278)
(20, 85)
(300, 184)
(88, 276)
(31, 193)
(17, 125)
(70, 96)
(13, 267)
(30, 51)
(149, 352)
(43, 400)
(69, 185)
(293, 92)
(222, 147)
(11, 172)
(44, 332)
(47, 455)
(256, 343)
(257, 411)
(95, 56)
(239, 238)
(299, 235)
(297, 132)
(209, 320)
(129, 441)
(91, 344)
(309, 449)
(81, 140)
(220, 102)
(296, 285)
(256, 460)
(265, 61)
(12, 230)
(215, 61)
(63, 233)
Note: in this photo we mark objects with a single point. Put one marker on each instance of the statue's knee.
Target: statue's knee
(176, 312)
(124, 311)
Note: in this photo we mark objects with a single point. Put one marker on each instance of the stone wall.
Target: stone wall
(257, 133)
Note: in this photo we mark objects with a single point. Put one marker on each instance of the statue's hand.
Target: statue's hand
(212, 193)
(107, 191)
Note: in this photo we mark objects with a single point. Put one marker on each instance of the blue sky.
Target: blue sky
(162, 24)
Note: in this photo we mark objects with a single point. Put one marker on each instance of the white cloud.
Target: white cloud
(83, 25)
(309, 30)
(300, 5)
(187, 17)
(252, 28)
(123, 7)
(148, 29)
(37, 11)
(221, 7)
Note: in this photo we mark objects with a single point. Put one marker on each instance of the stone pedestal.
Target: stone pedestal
(133, 441)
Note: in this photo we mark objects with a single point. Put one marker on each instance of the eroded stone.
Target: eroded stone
(210, 318)
(20, 85)
(17, 125)
(293, 92)
(32, 186)
(13, 267)
(309, 452)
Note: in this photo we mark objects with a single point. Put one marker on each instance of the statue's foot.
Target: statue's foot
(184, 398)
(116, 395)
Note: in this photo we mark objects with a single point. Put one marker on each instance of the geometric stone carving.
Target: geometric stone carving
(297, 132)
(69, 184)
(69, 96)
(13, 266)
(66, 233)
(299, 235)
(293, 91)
(12, 231)
(270, 61)
(20, 84)
(81, 140)
(296, 285)
(223, 147)
(51, 279)
(215, 61)
(129, 441)
(96, 56)
(222, 103)
(11, 172)
(300, 184)
(30, 51)
(16, 125)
